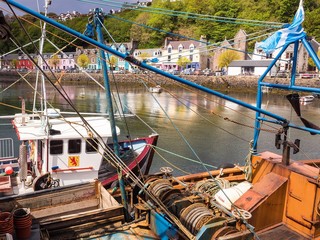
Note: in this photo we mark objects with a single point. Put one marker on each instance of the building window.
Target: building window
(289, 55)
(180, 49)
(169, 58)
(169, 49)
(91, 145)
(191, 49)
(56, 147)
(74, 146)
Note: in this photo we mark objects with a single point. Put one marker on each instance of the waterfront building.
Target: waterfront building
(285, 62)
(195, 51)
(239, 44)
(124, 48)
(152, 55)
(93, 56)
(250, 67)
(59, 61)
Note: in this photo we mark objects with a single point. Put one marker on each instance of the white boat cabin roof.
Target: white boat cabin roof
(62, 128)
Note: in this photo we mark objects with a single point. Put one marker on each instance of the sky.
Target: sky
(62, 6)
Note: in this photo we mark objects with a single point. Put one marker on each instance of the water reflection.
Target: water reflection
(218, 131)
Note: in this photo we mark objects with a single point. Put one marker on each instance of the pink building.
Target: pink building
(59, 61)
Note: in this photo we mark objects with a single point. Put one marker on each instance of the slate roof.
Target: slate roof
(250, 63)
(185, 44)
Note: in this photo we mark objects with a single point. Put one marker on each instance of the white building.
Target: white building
(195, 51)
(250, 67)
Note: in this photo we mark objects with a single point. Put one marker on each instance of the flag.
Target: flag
(287, 35)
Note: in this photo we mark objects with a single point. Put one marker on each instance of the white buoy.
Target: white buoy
(226, 197)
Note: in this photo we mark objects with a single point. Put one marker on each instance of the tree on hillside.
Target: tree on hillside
(54, 61)
(311, 63)
(144, 56)
(227, 57)
(112, 61)
(83, 60)
(183, 62)
(14, 63)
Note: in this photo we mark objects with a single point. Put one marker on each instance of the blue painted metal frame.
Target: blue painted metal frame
(98, 20)
(162, 227)
(291, 87)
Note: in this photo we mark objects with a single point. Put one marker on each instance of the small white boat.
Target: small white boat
(156, 89)
(265, 89)
(308, 98)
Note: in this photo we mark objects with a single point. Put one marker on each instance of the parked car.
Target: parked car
(187, 71)
(197, 72)
(22, 70)
(174, 72)
(134, 70)
(207, 72)
(118, 71)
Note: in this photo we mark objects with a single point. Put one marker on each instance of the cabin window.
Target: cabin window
(74, 146)
(56, 147)
(91, 145)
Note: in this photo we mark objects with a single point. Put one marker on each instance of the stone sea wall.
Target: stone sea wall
(241, 82)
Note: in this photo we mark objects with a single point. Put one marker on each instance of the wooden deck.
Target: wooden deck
(281, 232)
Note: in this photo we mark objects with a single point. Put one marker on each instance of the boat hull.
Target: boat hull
(139, 164)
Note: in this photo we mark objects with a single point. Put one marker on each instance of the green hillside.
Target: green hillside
(213, 18)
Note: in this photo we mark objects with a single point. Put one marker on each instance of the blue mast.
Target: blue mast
(98, 18)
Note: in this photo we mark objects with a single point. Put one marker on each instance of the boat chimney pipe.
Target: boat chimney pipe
(23, 163)
(23, 112)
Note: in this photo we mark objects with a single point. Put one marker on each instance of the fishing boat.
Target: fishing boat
(271, 197)
(58, 149)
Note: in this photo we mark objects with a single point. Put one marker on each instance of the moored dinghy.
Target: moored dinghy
(156, 89)
(308, 98)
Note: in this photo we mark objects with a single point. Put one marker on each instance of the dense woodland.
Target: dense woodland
(130, 24)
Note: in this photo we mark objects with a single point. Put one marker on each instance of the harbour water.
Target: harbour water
(200, 128)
